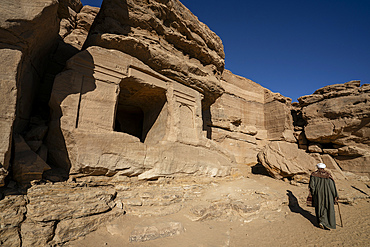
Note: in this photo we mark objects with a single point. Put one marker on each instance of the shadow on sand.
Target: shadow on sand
(295, 208)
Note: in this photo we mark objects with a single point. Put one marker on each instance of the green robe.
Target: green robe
(323, 192)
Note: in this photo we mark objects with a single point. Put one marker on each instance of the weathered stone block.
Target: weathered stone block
(282, 159)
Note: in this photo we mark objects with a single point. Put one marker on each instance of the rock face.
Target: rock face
(75, 27)
(71, 210)
(51, 215)
(112, 113)
(24, 48)
(338, 120)
(27, 164)
(167, 37)
(158, 102)
(246, 117)
(12, 210)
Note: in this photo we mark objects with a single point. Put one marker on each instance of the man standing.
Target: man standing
(324, 195)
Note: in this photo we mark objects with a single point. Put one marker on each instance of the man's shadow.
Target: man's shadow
(295, 208)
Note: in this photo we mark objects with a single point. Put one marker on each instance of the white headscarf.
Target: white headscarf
(321, 165)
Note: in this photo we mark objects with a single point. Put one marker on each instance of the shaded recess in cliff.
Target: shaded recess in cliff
(138, 107)
(24, 55)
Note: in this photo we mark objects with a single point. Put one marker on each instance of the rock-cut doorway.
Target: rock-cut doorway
(138, 110)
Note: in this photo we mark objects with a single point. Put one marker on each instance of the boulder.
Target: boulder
(72, 229)
(70, 211)
(333, 167)
(166, 36)
(315, 148)
(285, 160)
(338, 117)
(357, 165)
(37, 233)
(66, 6)
(67, 201)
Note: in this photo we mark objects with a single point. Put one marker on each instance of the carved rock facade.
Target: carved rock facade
(112, 113)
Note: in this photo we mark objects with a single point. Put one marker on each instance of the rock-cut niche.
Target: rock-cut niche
(140, 110)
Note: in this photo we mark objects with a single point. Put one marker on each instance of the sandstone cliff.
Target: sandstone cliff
(162, 45)
(148, 99)
(24, 49)
(166, 36)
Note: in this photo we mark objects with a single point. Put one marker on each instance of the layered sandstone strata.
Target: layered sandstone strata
(338, 123)
(246, 117)
(167, 37)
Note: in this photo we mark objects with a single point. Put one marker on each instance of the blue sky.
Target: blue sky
(290, 46)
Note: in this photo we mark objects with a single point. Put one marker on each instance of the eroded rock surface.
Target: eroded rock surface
(63, 212)
(338, 120)
(12, 213)
(167, 37)
(27, 164)
(112, 113)
(159, 230)
(284, 160)
(75, 27)
(149, 99)
(246, 117)
(24, 48)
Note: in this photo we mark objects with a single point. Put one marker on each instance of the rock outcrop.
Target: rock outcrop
(167, 37)
(112, 113)
(71, 210)
(24, 48)
(75, 27)
(12, 210)
(338, 123)
(246, 117)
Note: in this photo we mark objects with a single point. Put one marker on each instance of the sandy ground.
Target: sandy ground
(294, 225)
